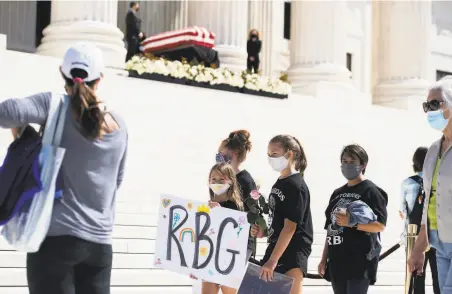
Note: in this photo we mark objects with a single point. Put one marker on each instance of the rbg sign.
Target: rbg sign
(193, 239)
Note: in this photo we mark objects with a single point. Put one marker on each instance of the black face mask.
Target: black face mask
(253, 37)
(138, 9)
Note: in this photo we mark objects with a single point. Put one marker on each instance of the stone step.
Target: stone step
(141, 239)
(146, 261)
(155, 277)
(188, 290)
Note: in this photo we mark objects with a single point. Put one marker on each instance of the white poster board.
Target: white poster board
(210, 244)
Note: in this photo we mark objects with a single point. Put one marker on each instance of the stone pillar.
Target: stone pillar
(228, 20)
(267, 18)
(93, 21)
(2, 53)
(317, 51)
(163, 16)
(2, 43)
(403, 44)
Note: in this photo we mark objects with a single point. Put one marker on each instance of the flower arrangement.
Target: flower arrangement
(202, 74)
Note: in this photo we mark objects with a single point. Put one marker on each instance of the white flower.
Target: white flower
(193, 71)
(202, 74)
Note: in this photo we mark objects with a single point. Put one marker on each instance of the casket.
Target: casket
(168, 41)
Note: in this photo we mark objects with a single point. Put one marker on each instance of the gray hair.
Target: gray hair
(444, 86)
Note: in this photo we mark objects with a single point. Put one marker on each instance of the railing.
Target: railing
(410, 240)
(382, 256)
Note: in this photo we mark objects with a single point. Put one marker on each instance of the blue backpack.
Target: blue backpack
(20, 174)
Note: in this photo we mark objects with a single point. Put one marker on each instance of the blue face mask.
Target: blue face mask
(223, 158)
(436, 120)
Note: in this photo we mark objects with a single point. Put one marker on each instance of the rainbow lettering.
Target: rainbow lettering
(187, 231)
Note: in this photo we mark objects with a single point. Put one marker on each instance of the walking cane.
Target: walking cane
(410, 240)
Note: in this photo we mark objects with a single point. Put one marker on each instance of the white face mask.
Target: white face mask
(278, 163)
(219, 189)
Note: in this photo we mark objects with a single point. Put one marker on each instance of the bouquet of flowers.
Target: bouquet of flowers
(257, 207)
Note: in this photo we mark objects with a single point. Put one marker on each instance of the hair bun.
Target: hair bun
(244, 133)
(240, 138)
(240, 135)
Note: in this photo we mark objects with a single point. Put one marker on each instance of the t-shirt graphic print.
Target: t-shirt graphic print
(334, 231)
(275, 193)
(348, 247)
(289, 199)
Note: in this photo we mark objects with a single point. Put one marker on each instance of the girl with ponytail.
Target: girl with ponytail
(77, 253)
(290, 232)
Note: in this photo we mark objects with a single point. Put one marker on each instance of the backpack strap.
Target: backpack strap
(418, 179)
(63, 105)
(415, 216)
(56, 117)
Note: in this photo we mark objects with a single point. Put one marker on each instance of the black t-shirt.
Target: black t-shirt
(347, 247)
(229, 204)
(290, 199)
(246, 185)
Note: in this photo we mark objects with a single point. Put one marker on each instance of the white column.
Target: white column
(163, 16)
(280, 45)
(317, 51)
(2, 54)
(93, 21)
(403, 44)
(181, 18)
(228, 20)
(268, 18)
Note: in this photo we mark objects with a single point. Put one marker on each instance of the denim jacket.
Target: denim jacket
(360, 213)
(443, 189)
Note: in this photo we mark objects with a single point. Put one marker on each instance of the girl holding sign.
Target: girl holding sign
(224, 188)
(290, 233)
(224, 191)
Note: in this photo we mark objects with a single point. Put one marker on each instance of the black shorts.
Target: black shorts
(289, 260)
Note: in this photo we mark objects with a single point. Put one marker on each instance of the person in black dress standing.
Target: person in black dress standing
(253, 47)
(134, 35)
(349, 257)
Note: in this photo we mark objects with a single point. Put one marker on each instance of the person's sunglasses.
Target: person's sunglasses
(432, 105)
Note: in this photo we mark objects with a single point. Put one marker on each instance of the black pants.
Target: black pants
(132, 48)
(253, 65)
(358, 286)
(419, 281)
(69, 265)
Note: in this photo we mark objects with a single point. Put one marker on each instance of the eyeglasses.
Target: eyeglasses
(432, 105)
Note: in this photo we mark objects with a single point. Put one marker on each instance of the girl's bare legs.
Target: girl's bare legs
(210, 288)
(227, 290)
(297, 275)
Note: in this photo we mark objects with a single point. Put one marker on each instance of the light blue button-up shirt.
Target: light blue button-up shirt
(410, 191)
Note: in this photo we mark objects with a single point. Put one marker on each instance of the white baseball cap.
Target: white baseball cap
(85, 56)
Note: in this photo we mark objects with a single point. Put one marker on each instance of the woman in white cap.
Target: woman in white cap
(76, 256)
(437, 179)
